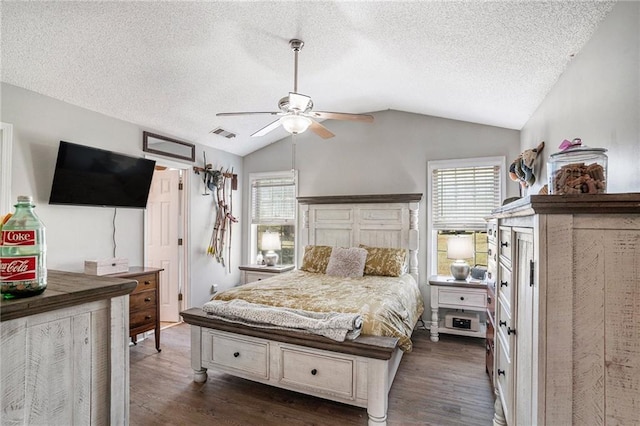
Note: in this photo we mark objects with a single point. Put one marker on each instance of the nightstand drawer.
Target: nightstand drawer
(461, 298)
(252, 277)
(145, 282)
(325, 374)
(146, 317)
(142, 300)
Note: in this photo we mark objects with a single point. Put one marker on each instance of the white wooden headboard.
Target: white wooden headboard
(373, 220)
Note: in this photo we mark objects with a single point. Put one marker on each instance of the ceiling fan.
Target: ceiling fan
(296, 114)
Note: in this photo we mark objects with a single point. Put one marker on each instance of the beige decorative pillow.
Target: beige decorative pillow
(316, 259)
(389, 262)
(347, 262)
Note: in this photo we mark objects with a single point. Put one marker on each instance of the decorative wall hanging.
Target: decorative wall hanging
(221, 183)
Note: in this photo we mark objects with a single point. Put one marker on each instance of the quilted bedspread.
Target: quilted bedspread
(388, 306)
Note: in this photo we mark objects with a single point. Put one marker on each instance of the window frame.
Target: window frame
(253, 228)
(432, 237)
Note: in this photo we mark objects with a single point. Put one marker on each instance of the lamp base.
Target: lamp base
(271, 258)
(460, 270)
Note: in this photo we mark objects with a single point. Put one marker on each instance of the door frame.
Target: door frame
(184, 265)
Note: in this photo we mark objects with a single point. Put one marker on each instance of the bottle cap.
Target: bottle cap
(25, 199)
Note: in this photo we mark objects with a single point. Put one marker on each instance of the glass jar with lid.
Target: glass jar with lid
(580, 170)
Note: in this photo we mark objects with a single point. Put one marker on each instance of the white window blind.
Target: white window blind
(273, 200)
(462, 197)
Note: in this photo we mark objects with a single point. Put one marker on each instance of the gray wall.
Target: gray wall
(598, 99)
(385, 157)
(75, 234)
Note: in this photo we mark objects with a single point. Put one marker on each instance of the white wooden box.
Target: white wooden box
(112, 265)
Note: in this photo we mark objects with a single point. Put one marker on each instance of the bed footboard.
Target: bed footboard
(340, 376)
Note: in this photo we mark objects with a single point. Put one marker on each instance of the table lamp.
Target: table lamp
(270, 242)
(459, 248)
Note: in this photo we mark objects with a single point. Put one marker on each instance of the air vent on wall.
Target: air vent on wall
(222, 132)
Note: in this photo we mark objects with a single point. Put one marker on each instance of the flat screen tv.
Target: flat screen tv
(88, 176)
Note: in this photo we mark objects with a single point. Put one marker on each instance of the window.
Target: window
(462, 195)
(273, 209)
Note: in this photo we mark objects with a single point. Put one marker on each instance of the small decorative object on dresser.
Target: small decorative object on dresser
(144, 302)
(253, 273)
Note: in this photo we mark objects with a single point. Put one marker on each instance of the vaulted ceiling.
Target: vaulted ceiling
(172, 66)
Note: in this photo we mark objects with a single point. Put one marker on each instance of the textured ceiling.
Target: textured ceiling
(171, 66)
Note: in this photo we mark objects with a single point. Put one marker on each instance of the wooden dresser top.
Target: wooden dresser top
(66, 289)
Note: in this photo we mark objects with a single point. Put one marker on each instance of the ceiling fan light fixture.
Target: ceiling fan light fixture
(295, 124)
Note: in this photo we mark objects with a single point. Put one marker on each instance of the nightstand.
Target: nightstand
(253, 273)
(466, 301)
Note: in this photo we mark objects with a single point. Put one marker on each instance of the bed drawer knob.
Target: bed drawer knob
(236, 354)
(314, 372)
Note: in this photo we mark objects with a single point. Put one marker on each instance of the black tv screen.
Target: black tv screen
(96, 177)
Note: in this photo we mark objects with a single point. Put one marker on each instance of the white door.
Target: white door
(163, 251)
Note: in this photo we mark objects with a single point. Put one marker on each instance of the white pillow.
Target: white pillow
(347, 262)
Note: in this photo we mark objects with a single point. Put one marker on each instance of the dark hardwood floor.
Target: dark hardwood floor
(442, 383)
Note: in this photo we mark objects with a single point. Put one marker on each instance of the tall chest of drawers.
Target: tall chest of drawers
(567, 313)
(144, 302)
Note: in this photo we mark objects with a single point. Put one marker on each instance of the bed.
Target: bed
(358, 372)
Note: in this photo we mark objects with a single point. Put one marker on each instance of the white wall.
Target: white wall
(78, 233)
(597, 98)
(385, 157)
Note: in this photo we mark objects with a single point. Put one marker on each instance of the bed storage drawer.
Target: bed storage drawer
(240, 354)
(327, 374)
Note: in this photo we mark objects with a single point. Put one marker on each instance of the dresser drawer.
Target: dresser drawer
(505, 245)
(145, 317)
(142, 300)
(246, 355)
(504, 327)
(476, 299)
(145, 282)
(321, 373)
(505, 286)
(503, 379)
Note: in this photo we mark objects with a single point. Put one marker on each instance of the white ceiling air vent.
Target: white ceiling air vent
(222, 132)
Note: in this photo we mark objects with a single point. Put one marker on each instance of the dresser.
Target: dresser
(253, 273)
(144, 302)
(464, 300)
(65, 353)
(568, 310)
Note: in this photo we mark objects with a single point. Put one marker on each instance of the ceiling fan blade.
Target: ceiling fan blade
(299, 101)
(342, 116)
(227, 114)
(266, 129)
(320, 130)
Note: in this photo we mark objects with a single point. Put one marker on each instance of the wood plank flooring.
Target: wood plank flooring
(442, 383)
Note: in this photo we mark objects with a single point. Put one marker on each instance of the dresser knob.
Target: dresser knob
(147, 317)
(488, 300)
(461, 297)
(147, 282)
(314, 372)
(501, 373)
(147, 299)
(236, 354)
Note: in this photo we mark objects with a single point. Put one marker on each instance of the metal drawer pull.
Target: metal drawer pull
(147, 282)
(511, 330)
(236, 354)
(461, 297)
(504, 244)
(489, 252)
(147, 299)
(504, 283)
(489, 299)
(314, 372)
(502, 323)
(501, 372)
(147, 317)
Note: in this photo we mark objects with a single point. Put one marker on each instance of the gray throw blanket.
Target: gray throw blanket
(334, 325)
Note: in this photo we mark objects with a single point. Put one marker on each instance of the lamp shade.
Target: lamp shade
(459, 247)
(270, 241)
(295, 123)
